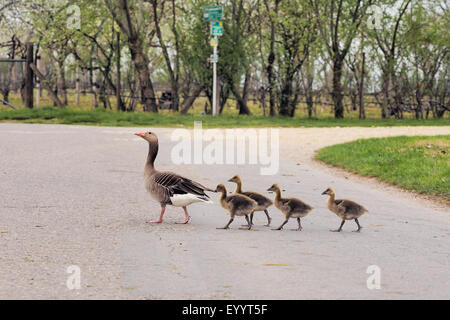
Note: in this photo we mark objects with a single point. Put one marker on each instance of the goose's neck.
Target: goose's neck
(152, 153)
(277, 195)
(238, 187)
(330, 202)
(223, 195)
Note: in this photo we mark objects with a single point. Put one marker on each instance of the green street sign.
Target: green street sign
(216, 28)
(213, 58)
(213, 13)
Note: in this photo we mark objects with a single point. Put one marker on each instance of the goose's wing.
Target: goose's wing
(259, 198)
(170, 183)
(239, 201)
(285, 204)
(297, 205)
(348, 206)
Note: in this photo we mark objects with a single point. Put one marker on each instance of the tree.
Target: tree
(340, 21)
(296, 28)
(124, 13)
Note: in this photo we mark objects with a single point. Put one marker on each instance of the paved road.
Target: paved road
(74, 196)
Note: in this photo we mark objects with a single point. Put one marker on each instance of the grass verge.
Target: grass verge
(104, 117)
(421, 164)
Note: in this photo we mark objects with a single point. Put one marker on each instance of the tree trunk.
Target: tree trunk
(61, 82)
(45, 85)
(243, 109)
(189, 101)
(270, 65)
(385, 107)
(119, 103)
(245, 90)
(337, 89)
(172, 73)
(362, 111)
(138, 56)
(140, 62)
(77, 86)
(286, 93)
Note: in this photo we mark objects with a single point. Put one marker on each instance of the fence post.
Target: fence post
(28, 92)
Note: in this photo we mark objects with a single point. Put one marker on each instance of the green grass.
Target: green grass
(421, 164)
(104, 117)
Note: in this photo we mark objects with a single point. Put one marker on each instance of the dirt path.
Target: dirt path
(74, 195)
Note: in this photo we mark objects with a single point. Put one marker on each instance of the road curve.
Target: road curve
(74, 196)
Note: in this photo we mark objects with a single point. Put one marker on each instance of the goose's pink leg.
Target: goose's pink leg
(160, 216)
(187, 217)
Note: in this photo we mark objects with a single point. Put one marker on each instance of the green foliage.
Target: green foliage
(104, 117)
(421, 163)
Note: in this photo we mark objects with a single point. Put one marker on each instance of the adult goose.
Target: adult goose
(169, 188)
(344, 209)
(262, 201)
(290, 207)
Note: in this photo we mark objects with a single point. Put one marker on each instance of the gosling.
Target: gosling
(344, 209)
(236, 205)
(290, 207)
(262, 201)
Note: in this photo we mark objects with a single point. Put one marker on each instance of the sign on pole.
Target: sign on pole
(214, 58)
(213, 13)
(216, 28)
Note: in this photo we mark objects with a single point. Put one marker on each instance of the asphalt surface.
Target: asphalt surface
(73, 195)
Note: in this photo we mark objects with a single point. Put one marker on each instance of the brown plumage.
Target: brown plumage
(262, 201)
(236, 205)
(344, 209)
(290, 207)
(169, 188)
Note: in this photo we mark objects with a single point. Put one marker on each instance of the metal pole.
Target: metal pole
(38, 85)
(214, 106)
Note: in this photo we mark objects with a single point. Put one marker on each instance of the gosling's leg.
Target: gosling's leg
(281, 227)
(228, 224)
(269, 219)
(299, 225)
(248, 222)
(340, 228)
(251, 220)
(163, 209)
(187, 217)
(359, 227)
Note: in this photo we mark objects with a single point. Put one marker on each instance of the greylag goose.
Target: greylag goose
(236, 205)
(344, 209)
(262, 201)
(169, 188)
(290, 207)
